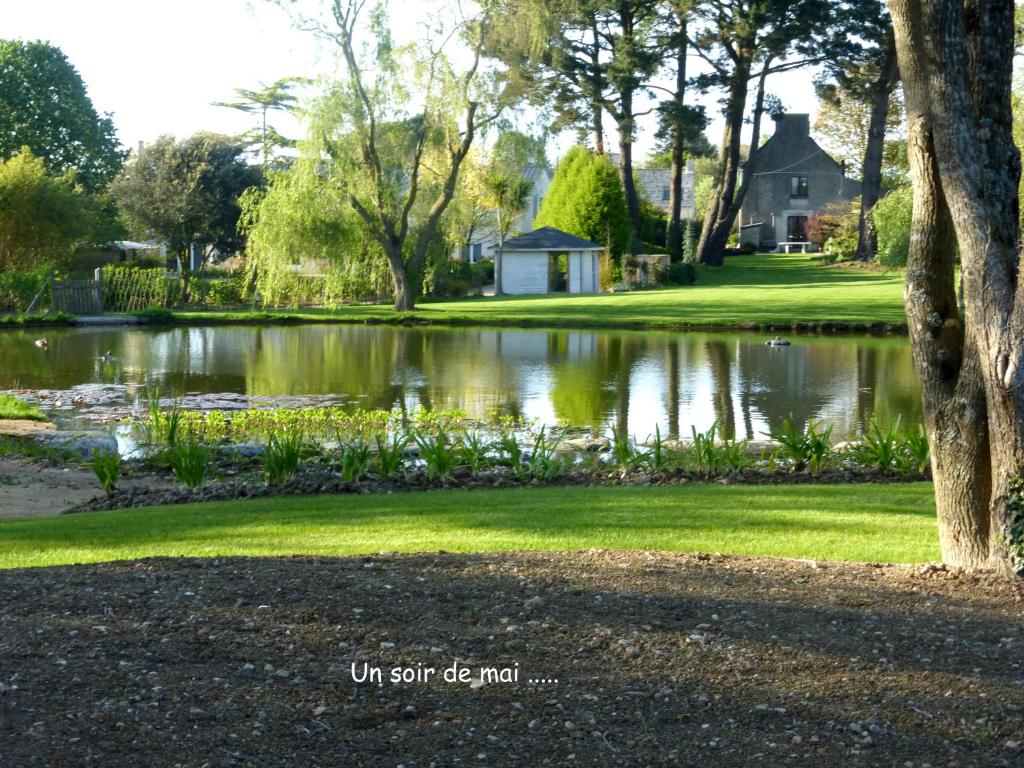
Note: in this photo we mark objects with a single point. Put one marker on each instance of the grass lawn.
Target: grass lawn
(876, 523)
(13, 408)
(759, 289)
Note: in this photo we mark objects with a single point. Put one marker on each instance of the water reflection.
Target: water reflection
(628, 380)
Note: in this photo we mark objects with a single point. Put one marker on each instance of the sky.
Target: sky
(158, 66)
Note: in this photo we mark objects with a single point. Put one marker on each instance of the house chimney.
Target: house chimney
(795, 124)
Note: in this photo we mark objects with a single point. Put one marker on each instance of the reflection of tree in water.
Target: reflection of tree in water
(800, 380)
(592, 378)
(672, 390)
(720, 364)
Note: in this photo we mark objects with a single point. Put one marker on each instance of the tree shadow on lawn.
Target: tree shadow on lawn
(661, 660)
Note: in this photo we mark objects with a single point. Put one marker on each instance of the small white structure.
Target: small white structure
(526, 262)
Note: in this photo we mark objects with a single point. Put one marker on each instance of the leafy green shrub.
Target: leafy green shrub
(189, 461)
(155, 315)
(106, 465)
(881, 448)
(891, 218)
(221, 292)
(679, 273)
(281, 457)
(18, 288)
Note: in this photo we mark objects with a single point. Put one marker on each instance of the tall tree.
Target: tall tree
(744, 41)
(44, 106)
(42, 217)
(595, 59)
(276, 97)
(956, 62)
(586, 199)
(677, 121)
(399, 145)
(864, 71)
(186, 193)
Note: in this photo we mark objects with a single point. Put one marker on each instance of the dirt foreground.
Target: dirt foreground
(660, 660)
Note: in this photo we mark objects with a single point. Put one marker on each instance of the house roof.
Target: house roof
(549, 239)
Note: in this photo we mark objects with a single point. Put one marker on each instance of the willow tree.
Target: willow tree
(396, 128)
(956, 62)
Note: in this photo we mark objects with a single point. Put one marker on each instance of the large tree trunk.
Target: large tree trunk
(405, 296)
(626, 170)
(674, 235)
(730, 200)
(952, 390)
(957, 81)
(871, 168)
(714, 235)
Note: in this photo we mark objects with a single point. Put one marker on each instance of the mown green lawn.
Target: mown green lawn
(759, 289)
(876, 523)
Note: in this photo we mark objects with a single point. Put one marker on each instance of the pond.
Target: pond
(597, 380)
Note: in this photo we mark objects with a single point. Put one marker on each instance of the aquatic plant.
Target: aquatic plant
(354, 460)
(391, 451)
(625, 452)
(165, 425)
(880, 448)
(804, 448)
(543, 462)
(440, 456)
(474, 450)
(106, 465)
(915, 449)
(189, 460)
(281, 457)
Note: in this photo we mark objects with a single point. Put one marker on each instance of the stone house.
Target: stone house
(793, 178)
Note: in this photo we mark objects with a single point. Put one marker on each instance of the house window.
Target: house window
(476, 252)
(664, 194)
(798, 186)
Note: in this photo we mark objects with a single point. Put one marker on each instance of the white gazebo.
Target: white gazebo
(525, 262)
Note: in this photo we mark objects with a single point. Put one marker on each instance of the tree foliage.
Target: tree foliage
(44, 106)
(186, 193)
(586, 199)
(42, 217)
(397, 126)
(302, 224)
(279, 96)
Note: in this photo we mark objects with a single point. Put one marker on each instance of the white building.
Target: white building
(529, 262)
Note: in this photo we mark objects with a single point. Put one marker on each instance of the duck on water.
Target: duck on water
(778, 341)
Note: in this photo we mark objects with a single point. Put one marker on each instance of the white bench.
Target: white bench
(801, 247)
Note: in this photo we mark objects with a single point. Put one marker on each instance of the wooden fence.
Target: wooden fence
(77, 297)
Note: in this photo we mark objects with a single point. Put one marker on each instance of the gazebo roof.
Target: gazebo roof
(549, 239)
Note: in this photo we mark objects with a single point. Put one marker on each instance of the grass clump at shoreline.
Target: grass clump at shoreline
(15, 408)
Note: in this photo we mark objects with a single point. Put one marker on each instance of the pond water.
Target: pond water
(592, 379)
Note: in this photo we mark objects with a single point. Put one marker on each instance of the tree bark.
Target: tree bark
(871, 167)
(956, 65)
(674, 235)
(731, 199)
(714, 235)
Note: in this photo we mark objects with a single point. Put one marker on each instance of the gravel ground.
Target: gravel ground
(674, 660)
